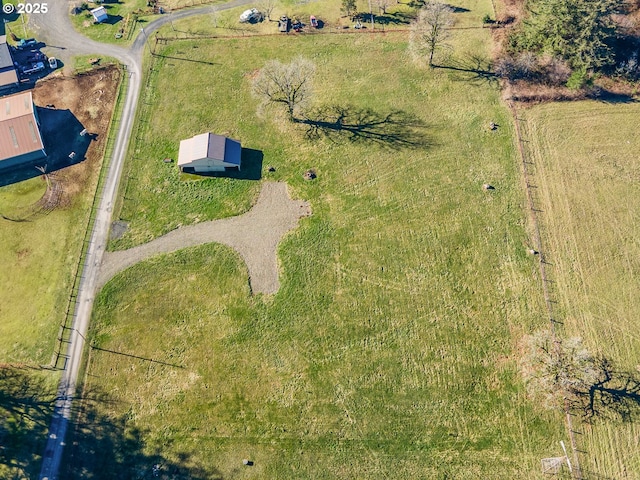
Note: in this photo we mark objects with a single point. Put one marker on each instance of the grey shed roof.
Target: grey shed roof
(209, 145)
(5, 57)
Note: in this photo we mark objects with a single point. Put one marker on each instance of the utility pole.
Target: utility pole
(371, 14)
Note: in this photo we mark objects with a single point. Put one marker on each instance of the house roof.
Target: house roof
(209, 145)
(19, 133)
(8, 76)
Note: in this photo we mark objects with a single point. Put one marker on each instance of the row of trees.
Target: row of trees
(586, 35)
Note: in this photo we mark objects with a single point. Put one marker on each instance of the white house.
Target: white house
(208, 152)
(99, 14)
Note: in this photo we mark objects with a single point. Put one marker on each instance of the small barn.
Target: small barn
(99, 14)
(208, 152)
(20, 139)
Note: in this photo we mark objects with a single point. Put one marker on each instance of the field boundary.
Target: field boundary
(64, 332)
(542, 264)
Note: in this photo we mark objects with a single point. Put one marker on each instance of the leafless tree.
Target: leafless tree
(558, 370)
(430, 31)
(267, 6)
(285, 83)
(383, 5)
(349, 7)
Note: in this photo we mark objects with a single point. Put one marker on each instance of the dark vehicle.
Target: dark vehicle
(26, 43)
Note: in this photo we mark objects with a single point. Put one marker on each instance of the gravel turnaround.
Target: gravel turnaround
(255, 235)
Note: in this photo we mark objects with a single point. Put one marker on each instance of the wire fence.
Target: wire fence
(531, 191)
(66, 326)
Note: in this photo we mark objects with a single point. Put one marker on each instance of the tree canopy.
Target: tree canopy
(580, 31)
(289, 84)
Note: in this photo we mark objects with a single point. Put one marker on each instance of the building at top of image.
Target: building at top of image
(8, 74)
(20, 139)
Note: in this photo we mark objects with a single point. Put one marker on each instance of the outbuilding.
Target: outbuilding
(100, 14)
(8, 74)
(20, 139)
(209, 152)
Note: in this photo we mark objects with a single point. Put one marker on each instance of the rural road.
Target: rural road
(55, 29)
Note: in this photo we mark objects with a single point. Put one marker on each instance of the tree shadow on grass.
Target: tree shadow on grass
(26, 408)
(473, 68)
(615, 394)
(101, 446)
(98, 446)
(394, 18)
(395, 130)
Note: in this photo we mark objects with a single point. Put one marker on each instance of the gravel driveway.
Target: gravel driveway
(255, 235)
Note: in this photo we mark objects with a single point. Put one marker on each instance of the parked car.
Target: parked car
(53, 63)
(253, 15)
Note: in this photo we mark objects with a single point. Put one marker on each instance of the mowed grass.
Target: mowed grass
(390, 349)
(586, 169)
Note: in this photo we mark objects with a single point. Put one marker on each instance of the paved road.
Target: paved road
(54, 28)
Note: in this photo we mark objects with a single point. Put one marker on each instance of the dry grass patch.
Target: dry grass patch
(587, 178)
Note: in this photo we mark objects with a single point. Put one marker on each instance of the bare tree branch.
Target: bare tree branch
(288, 84)
(430, 31)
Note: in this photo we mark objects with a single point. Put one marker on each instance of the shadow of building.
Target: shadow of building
(63, 143)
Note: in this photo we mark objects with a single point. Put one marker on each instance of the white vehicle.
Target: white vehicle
(53, 63)
(253, 15)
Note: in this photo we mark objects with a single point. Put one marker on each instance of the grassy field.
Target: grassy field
(123, 18)
(389, 351)
(39, 256)
(586, 169)
(26, 404)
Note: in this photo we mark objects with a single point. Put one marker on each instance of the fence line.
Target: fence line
(65, 328)
(542, 263)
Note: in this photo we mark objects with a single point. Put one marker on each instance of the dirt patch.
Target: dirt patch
(89, 98)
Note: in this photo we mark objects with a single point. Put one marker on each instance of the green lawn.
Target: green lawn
(586, 169)
(123, 18)
(390, 349)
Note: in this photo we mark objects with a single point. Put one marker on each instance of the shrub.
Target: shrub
(578, 79)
